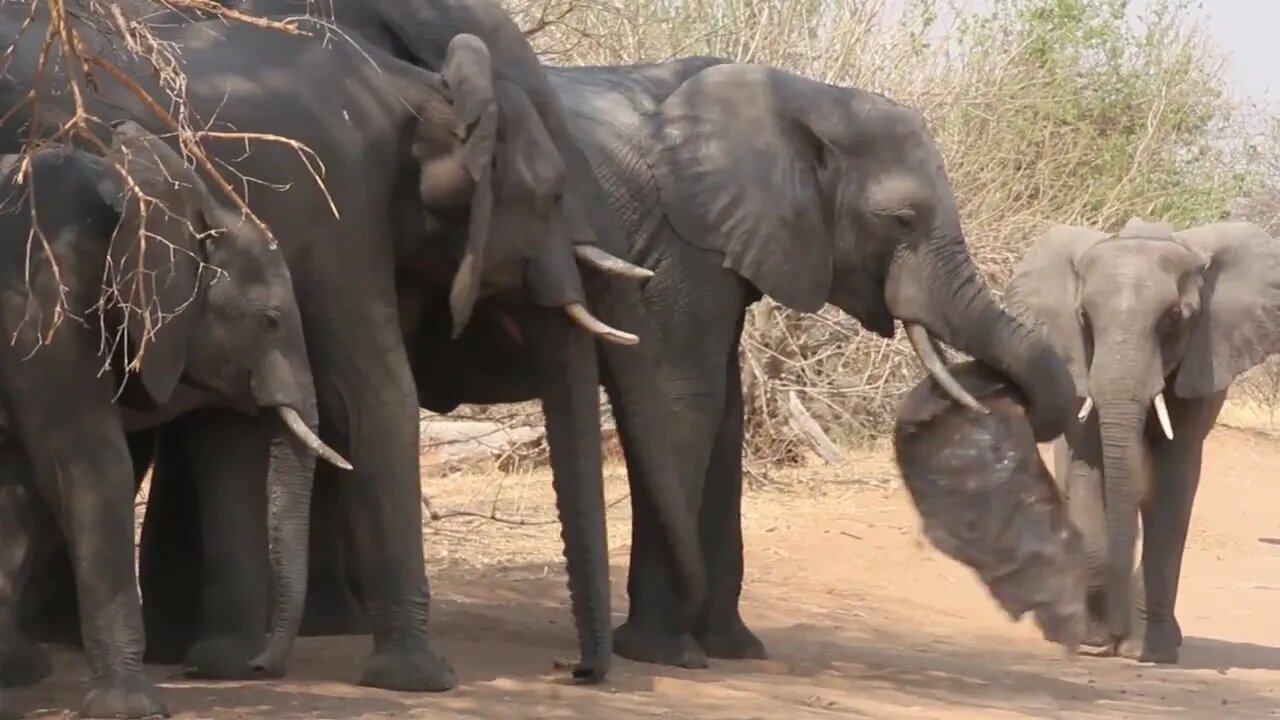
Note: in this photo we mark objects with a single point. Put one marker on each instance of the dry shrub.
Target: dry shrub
(70, 69)
(1046, 111)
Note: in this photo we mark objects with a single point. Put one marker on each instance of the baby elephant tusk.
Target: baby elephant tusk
(1162, 414)
(591, 324)
(928, 354)
(298, 427)
(601, 260)
(1085, 409)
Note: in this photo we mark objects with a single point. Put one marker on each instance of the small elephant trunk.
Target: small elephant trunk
(289, 389)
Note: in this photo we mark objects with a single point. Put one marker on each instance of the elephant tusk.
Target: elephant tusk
(1085, 409)
(928, 354)
(584, 319)
(298, 427)
(1162, 414)
(601, 260)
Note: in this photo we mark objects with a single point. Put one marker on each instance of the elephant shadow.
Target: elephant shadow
(1201, 653)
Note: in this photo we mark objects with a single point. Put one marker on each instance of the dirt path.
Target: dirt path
(863, 620)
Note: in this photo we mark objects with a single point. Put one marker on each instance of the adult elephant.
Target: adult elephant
(737, 181)
(1154, 325)
(418, 32)
(374, 124)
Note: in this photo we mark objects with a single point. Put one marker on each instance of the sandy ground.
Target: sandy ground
(862, 618)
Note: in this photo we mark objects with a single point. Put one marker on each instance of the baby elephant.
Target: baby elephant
(988, 501)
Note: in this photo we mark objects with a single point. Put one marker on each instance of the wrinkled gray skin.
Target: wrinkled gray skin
(380, 123)
(418, 31)
(236, 342)
(735, 180)
(1145, 314)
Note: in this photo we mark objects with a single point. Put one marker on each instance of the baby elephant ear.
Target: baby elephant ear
(1239, 321)
(927, 400)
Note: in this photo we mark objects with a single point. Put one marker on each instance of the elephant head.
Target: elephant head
(1138, 315)
(816, 193)
(488, 149)
(208, 301)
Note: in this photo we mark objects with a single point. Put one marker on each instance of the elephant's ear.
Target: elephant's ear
(469, 76)
(1239, 321)
(737, 168)
(156, 253)
(1044, 293)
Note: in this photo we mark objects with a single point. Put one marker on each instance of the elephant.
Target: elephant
(418, 32)
(1154, 325)
(828, 194)
(139, 228)
(987, 500)
(369, 116)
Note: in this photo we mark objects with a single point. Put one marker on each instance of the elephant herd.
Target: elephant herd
(469, 226)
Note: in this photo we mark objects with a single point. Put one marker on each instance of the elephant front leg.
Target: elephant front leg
(22, 661)
(1166, 520)
(720, 628)
(375, 399)
(86, 474)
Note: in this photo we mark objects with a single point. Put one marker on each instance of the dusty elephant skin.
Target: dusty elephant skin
(449, 370)
(233, 339)
(987, 500)
(1154, 324)
(359, 276)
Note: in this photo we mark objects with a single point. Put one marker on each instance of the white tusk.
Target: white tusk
(1162, 413)
(591, 324)
(601, 260)
(1085, 409)
(928, 354)
(298, 427)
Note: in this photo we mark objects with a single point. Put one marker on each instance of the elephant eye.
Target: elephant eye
(1169, 319)
(271, 319)
(905, 220)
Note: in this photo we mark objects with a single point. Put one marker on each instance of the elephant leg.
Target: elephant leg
(333, 607)
(228, 456)
(720, 628)
(84, 471)
(694, 303)
(1078, 458)
(171, 553)
(22, 660)
(1166, 520)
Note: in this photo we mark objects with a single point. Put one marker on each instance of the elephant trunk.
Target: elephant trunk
(1120, 421)
(287, 387)
(565, 360)
(972, 322)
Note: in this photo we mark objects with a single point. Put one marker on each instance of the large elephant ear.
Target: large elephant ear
(156, 253)
(469, 76)
(737, 168)
(1044, 293)
(1239, 322)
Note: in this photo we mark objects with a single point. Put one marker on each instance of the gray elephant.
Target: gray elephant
(1154, 326)
(207, 315)
(737, 180)
(375, 123)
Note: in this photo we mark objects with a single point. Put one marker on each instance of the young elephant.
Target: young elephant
(1154, 325)
(988, 501)
(198, 309)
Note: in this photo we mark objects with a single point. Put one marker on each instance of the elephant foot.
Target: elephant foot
(23, 662)
(226, 658)
(333, 611)
(125, 696)
(1096, 635)
(414, 669)
(1160, 644)
(734, 642)
(657, 647)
